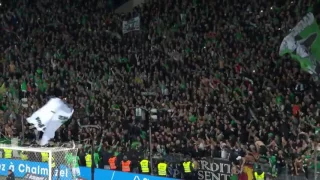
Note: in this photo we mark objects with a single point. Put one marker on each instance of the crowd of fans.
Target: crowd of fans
(212, 67)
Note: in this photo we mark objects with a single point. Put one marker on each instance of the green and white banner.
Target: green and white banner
(303, 44)
(131, 25)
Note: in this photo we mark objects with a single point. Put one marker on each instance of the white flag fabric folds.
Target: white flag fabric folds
(50, 117)
(303, 43)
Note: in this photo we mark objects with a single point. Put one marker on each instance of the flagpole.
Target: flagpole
(92, 155)
(23, 130)
(315, 161)
(92, 145)
(150, 139)
(150, 147)
(150, 136)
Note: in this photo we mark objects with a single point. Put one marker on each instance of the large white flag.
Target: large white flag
(50, 117)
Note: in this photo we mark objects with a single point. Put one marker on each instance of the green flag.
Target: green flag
(238, 91)
(303, 44)
(183, 85)
(39, 71)
(43, 86)
(84, 20)
(115, 106)
(238, 36)
(58, 55)
(123, 60)
(24, 86)
(96, 158)
(279, 99)
(3, 107)
(143, 135)
(128, 68)
(135, 144)
(166, 66)
(193, 118)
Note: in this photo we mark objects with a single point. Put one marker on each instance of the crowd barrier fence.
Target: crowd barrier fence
(21, 168)
(220, 169)
(209, 169)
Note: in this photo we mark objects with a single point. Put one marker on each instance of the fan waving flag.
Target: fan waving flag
(53, 114)
(303, 44)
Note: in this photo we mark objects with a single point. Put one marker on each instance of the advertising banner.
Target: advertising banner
(30, 176)
(210, 169)
(216, 169)
(21, 168)
(27, 169)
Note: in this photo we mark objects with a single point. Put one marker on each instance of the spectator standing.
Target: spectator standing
(195, 164)
(188, 168)
(145, 166)
(162, 168)
(88, 158)
(106, 154)
(96, 158)
(234, 173)
(126, 165)
(10, 175)
(259, 174)
(112, 162)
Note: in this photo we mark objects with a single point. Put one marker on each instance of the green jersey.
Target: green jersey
(273, 160)
(96, 158)
(75, 161)
(234, 177)
(68, 157)
(306, 160)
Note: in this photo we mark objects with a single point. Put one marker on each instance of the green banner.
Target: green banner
(5, 141)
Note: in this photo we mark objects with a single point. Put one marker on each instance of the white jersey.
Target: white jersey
(76, 172)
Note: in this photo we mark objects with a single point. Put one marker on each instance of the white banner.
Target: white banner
(131, 25)
(42, 116)
(218, 169)
(53, 115)
(210, 169)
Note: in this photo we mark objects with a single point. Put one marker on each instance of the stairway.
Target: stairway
(128, 6)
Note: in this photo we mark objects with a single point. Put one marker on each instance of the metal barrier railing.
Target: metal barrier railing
(206, 163)
(216, 166)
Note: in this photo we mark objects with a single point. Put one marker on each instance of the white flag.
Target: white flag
(42, 116)
(51, 115)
